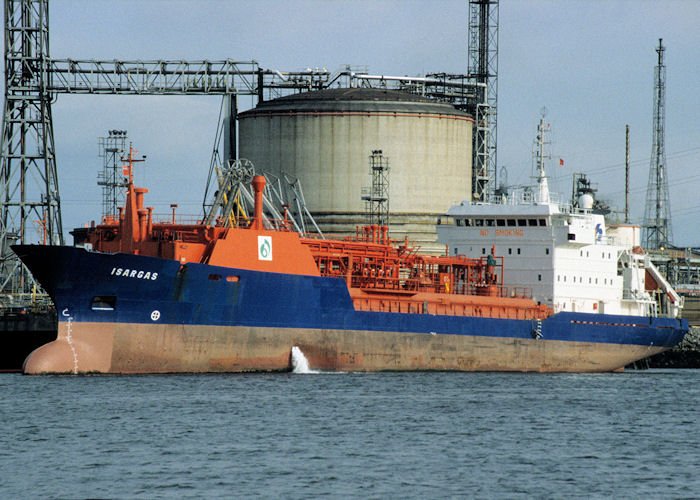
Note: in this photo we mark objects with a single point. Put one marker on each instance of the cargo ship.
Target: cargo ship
(239, 293)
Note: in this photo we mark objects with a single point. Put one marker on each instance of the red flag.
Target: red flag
(561, 162)
(126, 171)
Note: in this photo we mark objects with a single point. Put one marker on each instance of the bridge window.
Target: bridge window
(511, 222)
(500, 222)
(522, 222)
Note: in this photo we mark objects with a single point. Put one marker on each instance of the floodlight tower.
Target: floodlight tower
(657, 212)
(111, 149)
(377, 196)
(483, 68)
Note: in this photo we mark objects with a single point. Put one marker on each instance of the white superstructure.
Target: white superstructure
(565, 255)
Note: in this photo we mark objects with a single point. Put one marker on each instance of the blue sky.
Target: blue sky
(590, 63)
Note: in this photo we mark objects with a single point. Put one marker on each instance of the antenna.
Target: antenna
(483, 68)
(627, 174)
(128, 168)
(657, 212)
(540, 155)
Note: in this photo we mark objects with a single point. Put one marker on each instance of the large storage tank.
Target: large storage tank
(325, 138)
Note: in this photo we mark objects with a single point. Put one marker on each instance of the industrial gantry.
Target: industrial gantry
(29, 193)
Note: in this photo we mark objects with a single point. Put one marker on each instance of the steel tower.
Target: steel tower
(29, 197)
(483, 68)
(657, 211)
(377, 196)
(112, 149)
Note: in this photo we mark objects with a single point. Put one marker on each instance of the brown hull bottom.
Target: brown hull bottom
(137, 348)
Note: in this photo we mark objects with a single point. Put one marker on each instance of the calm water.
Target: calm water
(402, 435)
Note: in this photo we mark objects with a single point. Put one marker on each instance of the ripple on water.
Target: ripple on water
(368, 435)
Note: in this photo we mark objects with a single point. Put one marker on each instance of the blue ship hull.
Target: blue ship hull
(123, 313)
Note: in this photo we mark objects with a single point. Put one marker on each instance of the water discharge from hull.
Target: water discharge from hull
(299, 362)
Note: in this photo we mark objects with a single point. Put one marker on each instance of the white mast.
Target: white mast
(540, 142)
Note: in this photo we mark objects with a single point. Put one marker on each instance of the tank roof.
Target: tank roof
(354, 94)
(354, 99)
